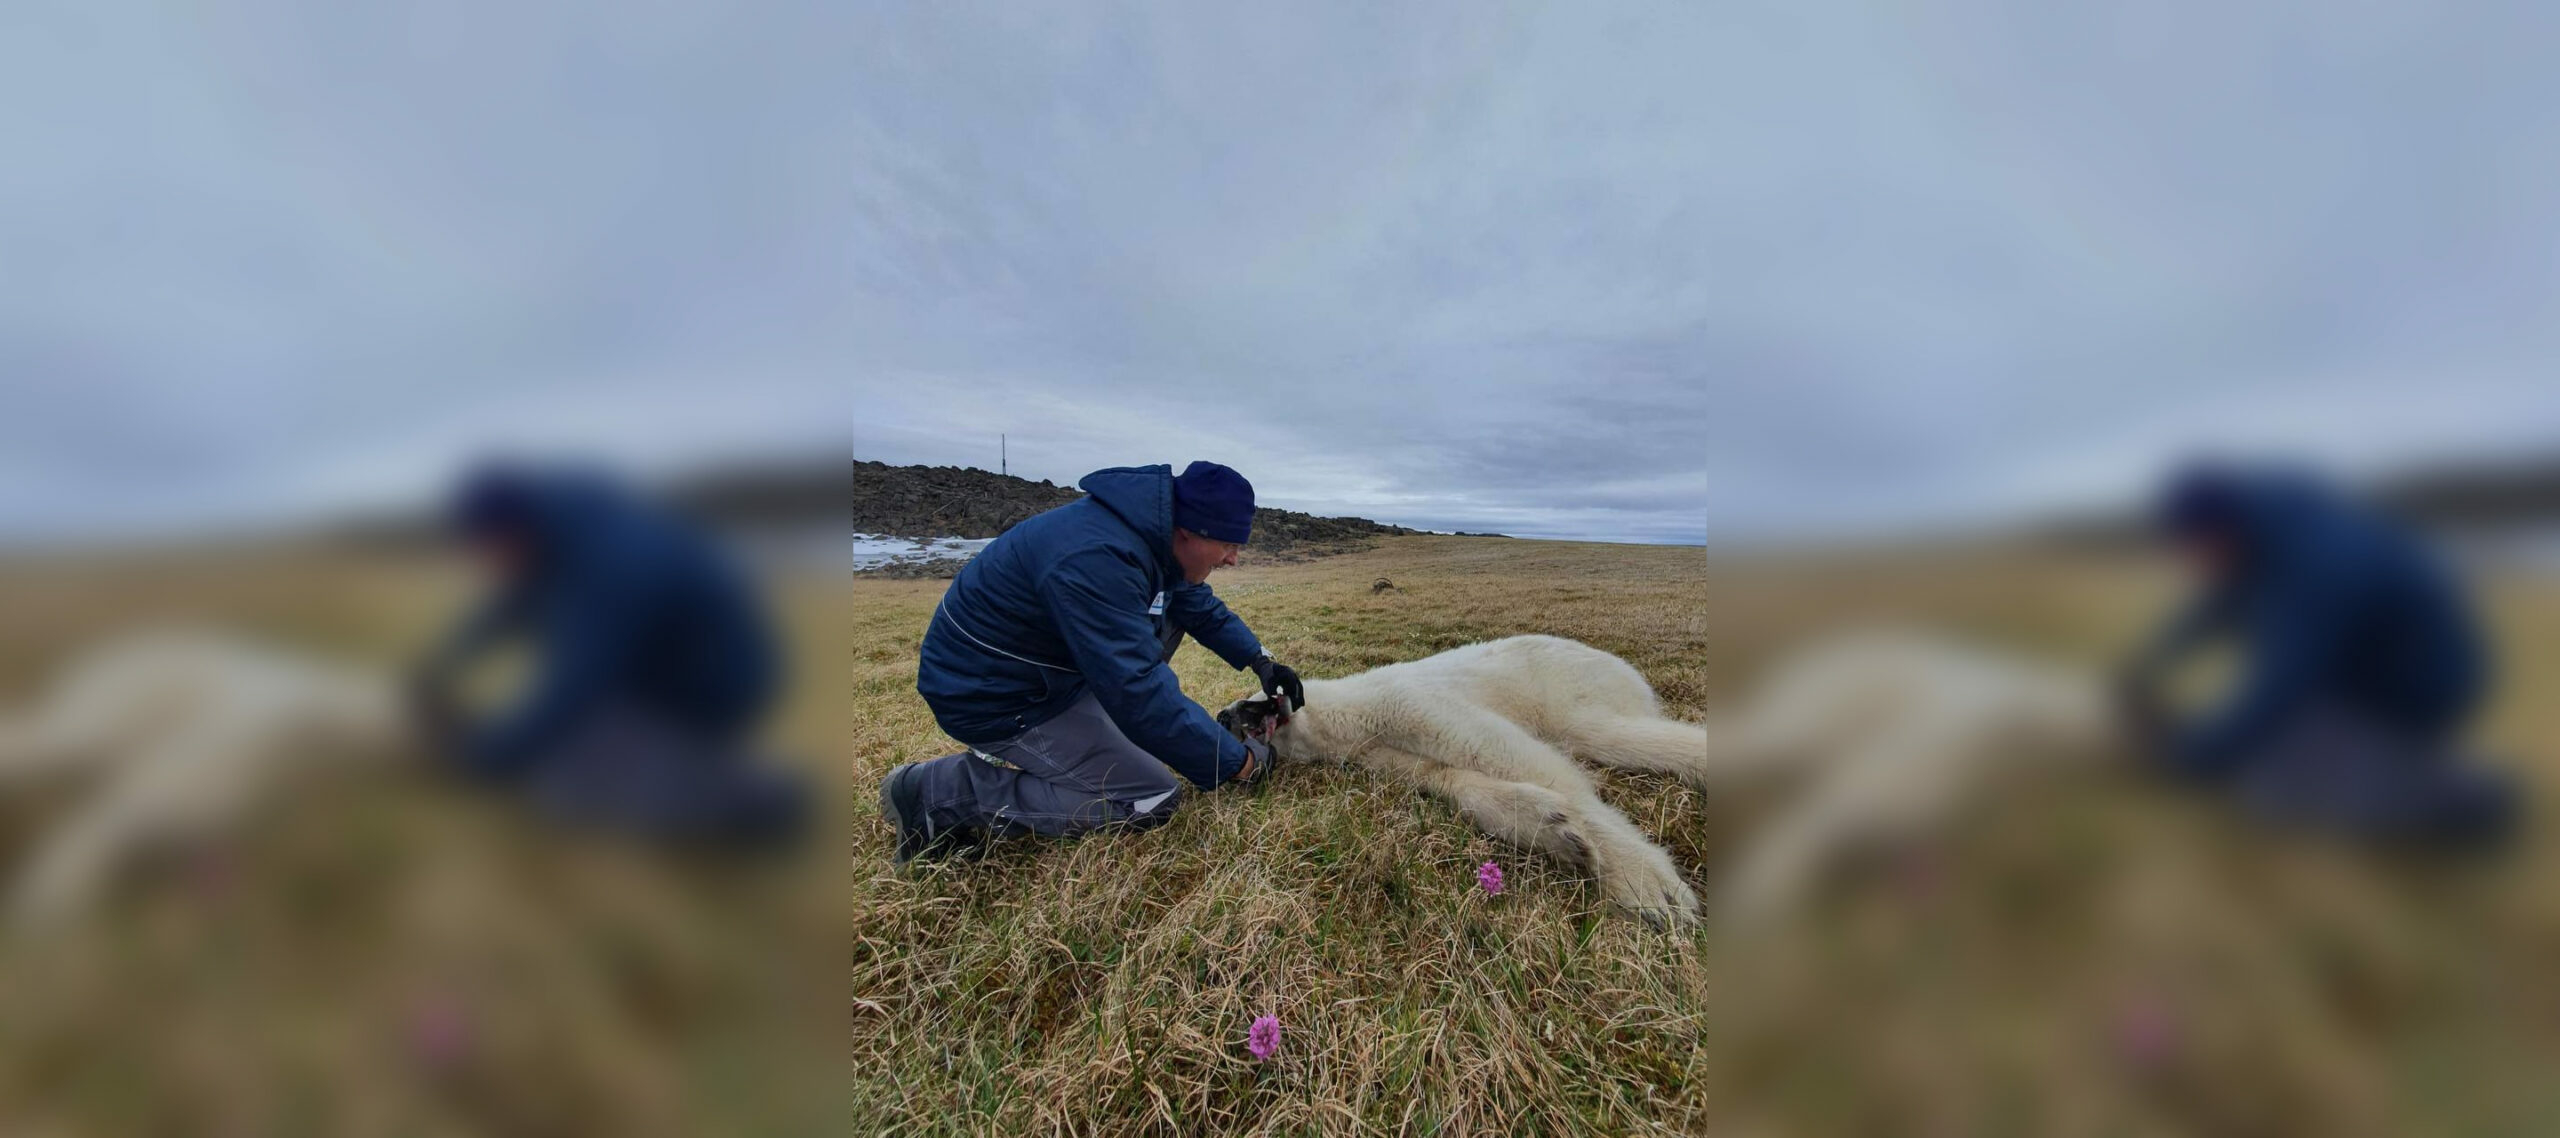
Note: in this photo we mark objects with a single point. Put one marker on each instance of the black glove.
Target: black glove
(433, 713)
(2140, 712)
(1280, 679)
(1259, 758)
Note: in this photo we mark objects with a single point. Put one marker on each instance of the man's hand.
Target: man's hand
(1280, 679)
(432, 711)
(2140, 713)
(1259, 758)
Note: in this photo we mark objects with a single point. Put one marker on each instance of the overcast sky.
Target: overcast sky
(1657, 272)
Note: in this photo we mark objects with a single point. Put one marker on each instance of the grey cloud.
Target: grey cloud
(1672, 272)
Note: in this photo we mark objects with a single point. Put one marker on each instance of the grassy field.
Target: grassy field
(385, 955)
(2102, 955)
(1105, 986)
(382, 954)
(2110, 957)
(2083, 955)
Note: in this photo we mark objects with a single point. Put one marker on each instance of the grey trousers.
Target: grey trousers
(2335, 770)
(1074, 773)
(625, 769)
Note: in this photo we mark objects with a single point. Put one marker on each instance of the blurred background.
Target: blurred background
(1873, 286)
(1634, 271)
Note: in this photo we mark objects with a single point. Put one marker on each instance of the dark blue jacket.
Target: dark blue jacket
(628, 605)
(1084, 597)
(2335, 604)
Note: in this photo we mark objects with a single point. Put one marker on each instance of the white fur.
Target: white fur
(1489, 727)
(186, 731)
(1892, 730)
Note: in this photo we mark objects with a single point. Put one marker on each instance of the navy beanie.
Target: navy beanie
(2201, 499)
(494, 499)
(1214, 502)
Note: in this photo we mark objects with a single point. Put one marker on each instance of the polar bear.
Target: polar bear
(1489, 727)
(1890, 731)
(187, 729)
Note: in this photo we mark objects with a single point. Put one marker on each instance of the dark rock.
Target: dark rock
(941, 567)
(951, 501)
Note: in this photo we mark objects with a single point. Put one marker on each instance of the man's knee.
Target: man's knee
(1152, 811)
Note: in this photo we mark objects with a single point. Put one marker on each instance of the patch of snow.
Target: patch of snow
(871, 550)
(2532, 549)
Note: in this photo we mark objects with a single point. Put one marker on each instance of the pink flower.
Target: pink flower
(212, 870)
(439, 1032)
(1264, 1039)
(1920, 871)
(2145, 1032)
(1489, 875)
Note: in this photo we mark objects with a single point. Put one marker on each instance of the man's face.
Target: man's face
(1201, 556)
(2208, 555)
(500, 555)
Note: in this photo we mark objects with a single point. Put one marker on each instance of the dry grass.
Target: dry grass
(2102, 956)
(1104, 986)
(295, 980)
(2090, 957)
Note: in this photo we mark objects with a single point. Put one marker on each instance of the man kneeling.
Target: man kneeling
(656, 664)
(1047, 659)
(2364, 663)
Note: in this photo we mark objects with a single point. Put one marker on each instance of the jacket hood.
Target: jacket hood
(2266, 514)
(1142, 498)
(551, 510)
(2248, 504)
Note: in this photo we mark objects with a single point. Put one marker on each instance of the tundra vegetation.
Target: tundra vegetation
(2085, 954)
